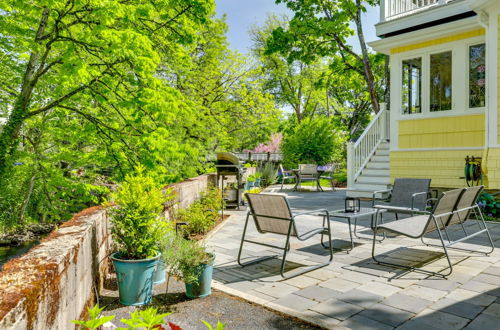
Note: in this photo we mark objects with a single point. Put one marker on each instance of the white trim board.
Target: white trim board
(435, 32)
(438, 149)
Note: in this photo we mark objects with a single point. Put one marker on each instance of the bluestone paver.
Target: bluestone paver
(459, 308)
(353, 291)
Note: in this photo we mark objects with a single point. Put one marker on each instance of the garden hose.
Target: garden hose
(472, 171)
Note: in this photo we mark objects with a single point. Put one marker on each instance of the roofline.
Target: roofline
(385, 45)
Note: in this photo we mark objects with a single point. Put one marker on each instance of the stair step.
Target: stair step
(376, 172)
(379, 158)
(382, 152)
(378, 165)
(383, 180)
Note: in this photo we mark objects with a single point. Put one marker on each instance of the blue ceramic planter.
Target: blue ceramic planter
(135, 279)
(159, 276)
(204, 286)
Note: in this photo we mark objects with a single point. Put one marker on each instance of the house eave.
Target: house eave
(385, 45)
(422, 18)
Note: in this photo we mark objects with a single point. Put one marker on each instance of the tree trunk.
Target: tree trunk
(368, 73)
(10, 131)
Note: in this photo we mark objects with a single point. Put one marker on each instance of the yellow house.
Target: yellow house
(444, 98)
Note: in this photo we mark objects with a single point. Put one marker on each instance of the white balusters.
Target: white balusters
(360, 152)
(397, 8)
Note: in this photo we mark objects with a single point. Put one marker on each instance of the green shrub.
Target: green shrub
(183, 257)
(136, 228)
(490, 205)
(313, 141)
(269, 174)
(202, 215)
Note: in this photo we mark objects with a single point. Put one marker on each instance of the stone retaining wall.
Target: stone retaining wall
(56, 280)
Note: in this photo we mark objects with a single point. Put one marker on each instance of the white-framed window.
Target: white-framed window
(412, 85)
(477, 75)
(441, 80)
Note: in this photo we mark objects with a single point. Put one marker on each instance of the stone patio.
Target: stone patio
(354, 292)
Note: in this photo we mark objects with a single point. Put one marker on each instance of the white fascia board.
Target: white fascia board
(423, 16)
(385, 45)
(483, 4)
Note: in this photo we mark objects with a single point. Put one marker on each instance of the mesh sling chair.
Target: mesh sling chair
(419, 225)
(285, 175)
(271, 214)
(408, 195)
(308, 172)
(465, 207)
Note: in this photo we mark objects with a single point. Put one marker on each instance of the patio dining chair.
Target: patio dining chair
(307, 172)
(272, 214)
(467, 205)
(442, 215)
(407, 196)
(285, 175)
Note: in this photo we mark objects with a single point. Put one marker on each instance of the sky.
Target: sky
(242, 14)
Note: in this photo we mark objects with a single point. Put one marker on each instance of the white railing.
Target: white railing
(360, 152)
(392, 9)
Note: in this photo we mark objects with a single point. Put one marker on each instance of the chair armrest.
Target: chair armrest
(415, 195)
(374, 198)
(320, 211)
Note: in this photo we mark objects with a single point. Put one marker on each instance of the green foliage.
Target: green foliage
(490, 205)
(219, 326)
(269, 174)
(184, 257)
(202, 215)
(136, 225)
(108, 85)
(147, 319)
(95, 320)
(313, 141)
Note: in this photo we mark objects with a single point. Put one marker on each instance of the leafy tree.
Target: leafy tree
(314, 141)
(292, 82)
(68, 53)
(320, 29)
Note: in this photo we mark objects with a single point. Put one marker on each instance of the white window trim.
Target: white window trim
(460, 81)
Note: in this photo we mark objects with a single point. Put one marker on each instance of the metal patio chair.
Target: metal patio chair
(286, 175)
(327, 174)
(466, 206)
(271, 214)
(307, 172)
(419, 225)
(407, 196)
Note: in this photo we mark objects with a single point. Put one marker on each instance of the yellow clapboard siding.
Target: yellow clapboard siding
(445, 168)
(492, 168)
(442, 132)
(439, 41)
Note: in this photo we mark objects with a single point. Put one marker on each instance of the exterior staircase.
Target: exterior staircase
(375, 175)
(368, 159)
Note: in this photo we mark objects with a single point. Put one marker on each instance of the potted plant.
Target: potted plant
(136, 230)
(190, 262)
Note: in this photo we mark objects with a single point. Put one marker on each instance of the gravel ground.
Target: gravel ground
(234, 312)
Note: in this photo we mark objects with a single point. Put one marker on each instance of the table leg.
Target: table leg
(350, 235)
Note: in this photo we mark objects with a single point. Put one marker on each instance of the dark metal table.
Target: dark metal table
(364, 211)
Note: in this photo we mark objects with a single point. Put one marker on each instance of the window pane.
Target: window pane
(412, 83)
(440, 88)
(477, 76)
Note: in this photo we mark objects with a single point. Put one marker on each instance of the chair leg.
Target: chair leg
(243, 240)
